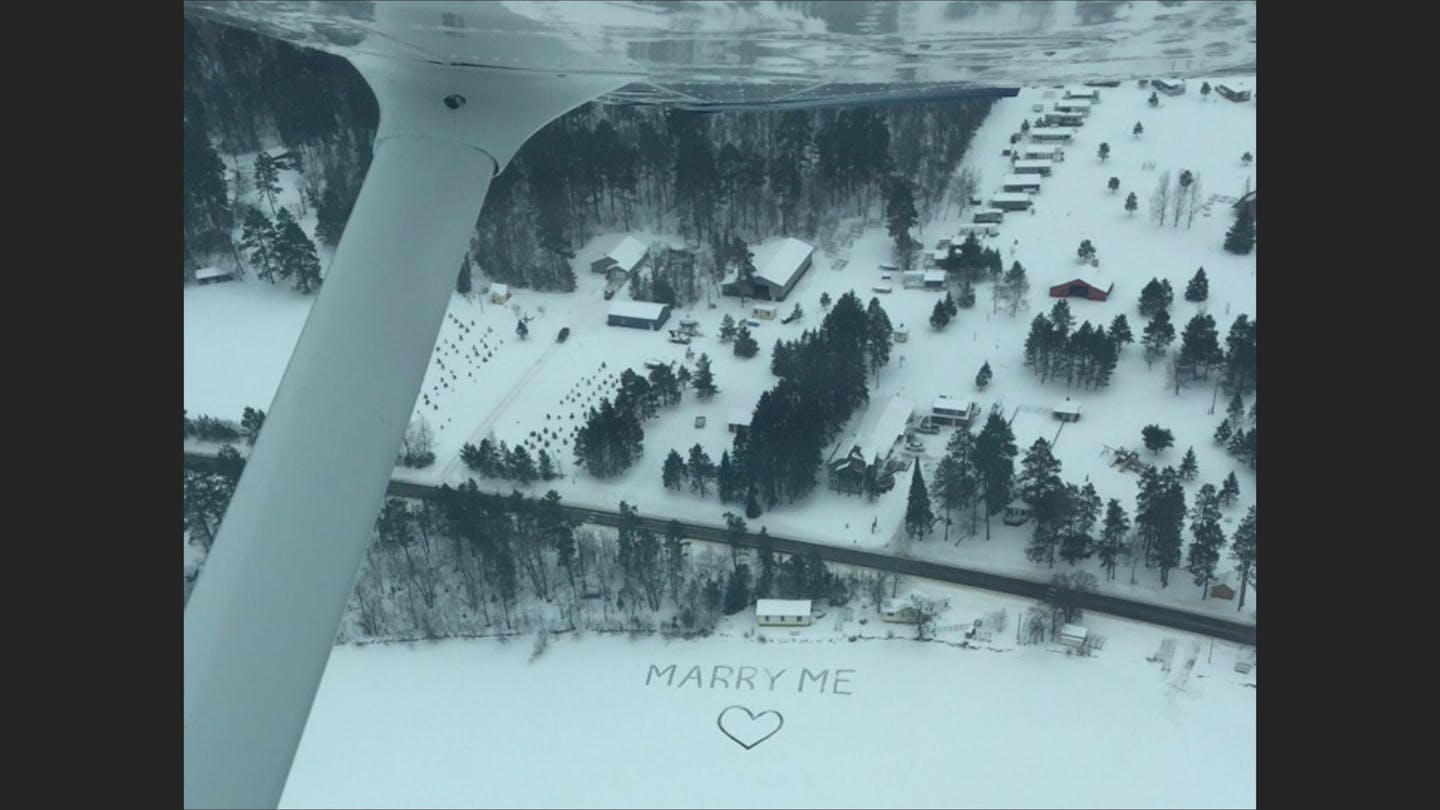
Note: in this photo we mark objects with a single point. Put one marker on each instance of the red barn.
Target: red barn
(1087, 286)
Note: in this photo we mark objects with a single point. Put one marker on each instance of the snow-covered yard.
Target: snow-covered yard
(606, 722)
(238, 338)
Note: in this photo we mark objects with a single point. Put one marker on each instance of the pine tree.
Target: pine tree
(1086, 251)
(1230, 490)
(1200, 347)
(1154, 297)
(1061, 318)
(1131, 204)
(1044, 493)
(745, 345)
(1242, 550)
(752, 505)
(673, 473)
(1014, 288)
(1199, 287)
(824, 300)
(522, 467)
(295, 253)
(1104, 153)
(951, 307)
(939, 316)
(701, 470)
(1246, 158)
(983, 378)
(1235, 411)
(1113, 185)
(900, 217)
(995, 453)
(1138, 130)
(727, 329)
(1205, 88)
(1222, 433)
(918, 515)
(1078, 542)
(250, 423)
(704, 382)
(521, 330)
(1205, 554)
(1240, 239)
(737, 590)
(257, 237)
(1189, 466)
(462, 282)
(1154, 101)
(725, 482)
(1112, 536)
(1239, 376)
(967, 295)
(878, 336)
(546, 466)
(1158, 336)
(330, 217)
(267, 178)
(1120, 332)
(1156, 438)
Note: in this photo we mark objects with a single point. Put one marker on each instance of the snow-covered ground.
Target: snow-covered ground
(605, 722)
(238, 338)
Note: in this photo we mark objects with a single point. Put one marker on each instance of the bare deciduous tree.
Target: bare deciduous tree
(1160, 199)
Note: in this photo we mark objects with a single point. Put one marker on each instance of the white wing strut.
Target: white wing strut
(262, 618)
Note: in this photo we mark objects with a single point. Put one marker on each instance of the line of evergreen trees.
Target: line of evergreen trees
(471, 562)
(1086, 357)
(495, 460)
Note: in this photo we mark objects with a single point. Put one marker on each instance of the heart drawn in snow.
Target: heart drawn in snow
(751, 729)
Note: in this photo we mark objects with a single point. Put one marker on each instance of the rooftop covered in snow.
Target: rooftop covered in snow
(627, 253)
(637, 309)
(782, 607)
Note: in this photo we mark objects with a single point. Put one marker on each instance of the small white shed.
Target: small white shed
(1073, 635)
(782, 612)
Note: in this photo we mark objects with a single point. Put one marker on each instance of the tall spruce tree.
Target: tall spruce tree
(1158, 336)
(1112, 536)
(1132, 203)
(1156, 438)
(1189, 467)
(1242, 550)
(704, 381)
(919, 517)
(878, 336)
(995, 453)
(1120, 332)
(983, 378)
(1154, 297)
(701, 470)
(1199, 287)
(673, 473)
(1044, 494)
(463, 281)
(1240, 239)
(1229, 489)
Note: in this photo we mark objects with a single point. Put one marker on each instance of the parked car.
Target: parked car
(928, 427)
(564, 333)
(699, 421)
(751, 322)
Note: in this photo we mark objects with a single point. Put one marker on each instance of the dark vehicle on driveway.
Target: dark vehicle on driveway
(564, 333)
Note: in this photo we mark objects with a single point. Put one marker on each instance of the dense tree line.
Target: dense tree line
(244, 93)
(597, 168)
(822, 383)
(471, 562)
(1087, 357)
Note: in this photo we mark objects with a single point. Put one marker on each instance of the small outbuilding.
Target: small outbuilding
(1067, 410)
(782, 612)
(934, 279)
(1233, 92)
(1089, 286)
(1073, 635)
(1020, 182)
(639, 314)
(499, 293)
(899, 611)
(1064, 118)
(1051, 134)
(953, 411)
(1042, 167)
(627, 255)
(213, 275)
(989, 215)
(1222, 591)
(1093, 96)
(779, 264)
(1170, 87)
(767, 311)
(1012, 201)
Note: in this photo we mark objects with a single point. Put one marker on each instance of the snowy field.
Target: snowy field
(895, 723)
(238, 338)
